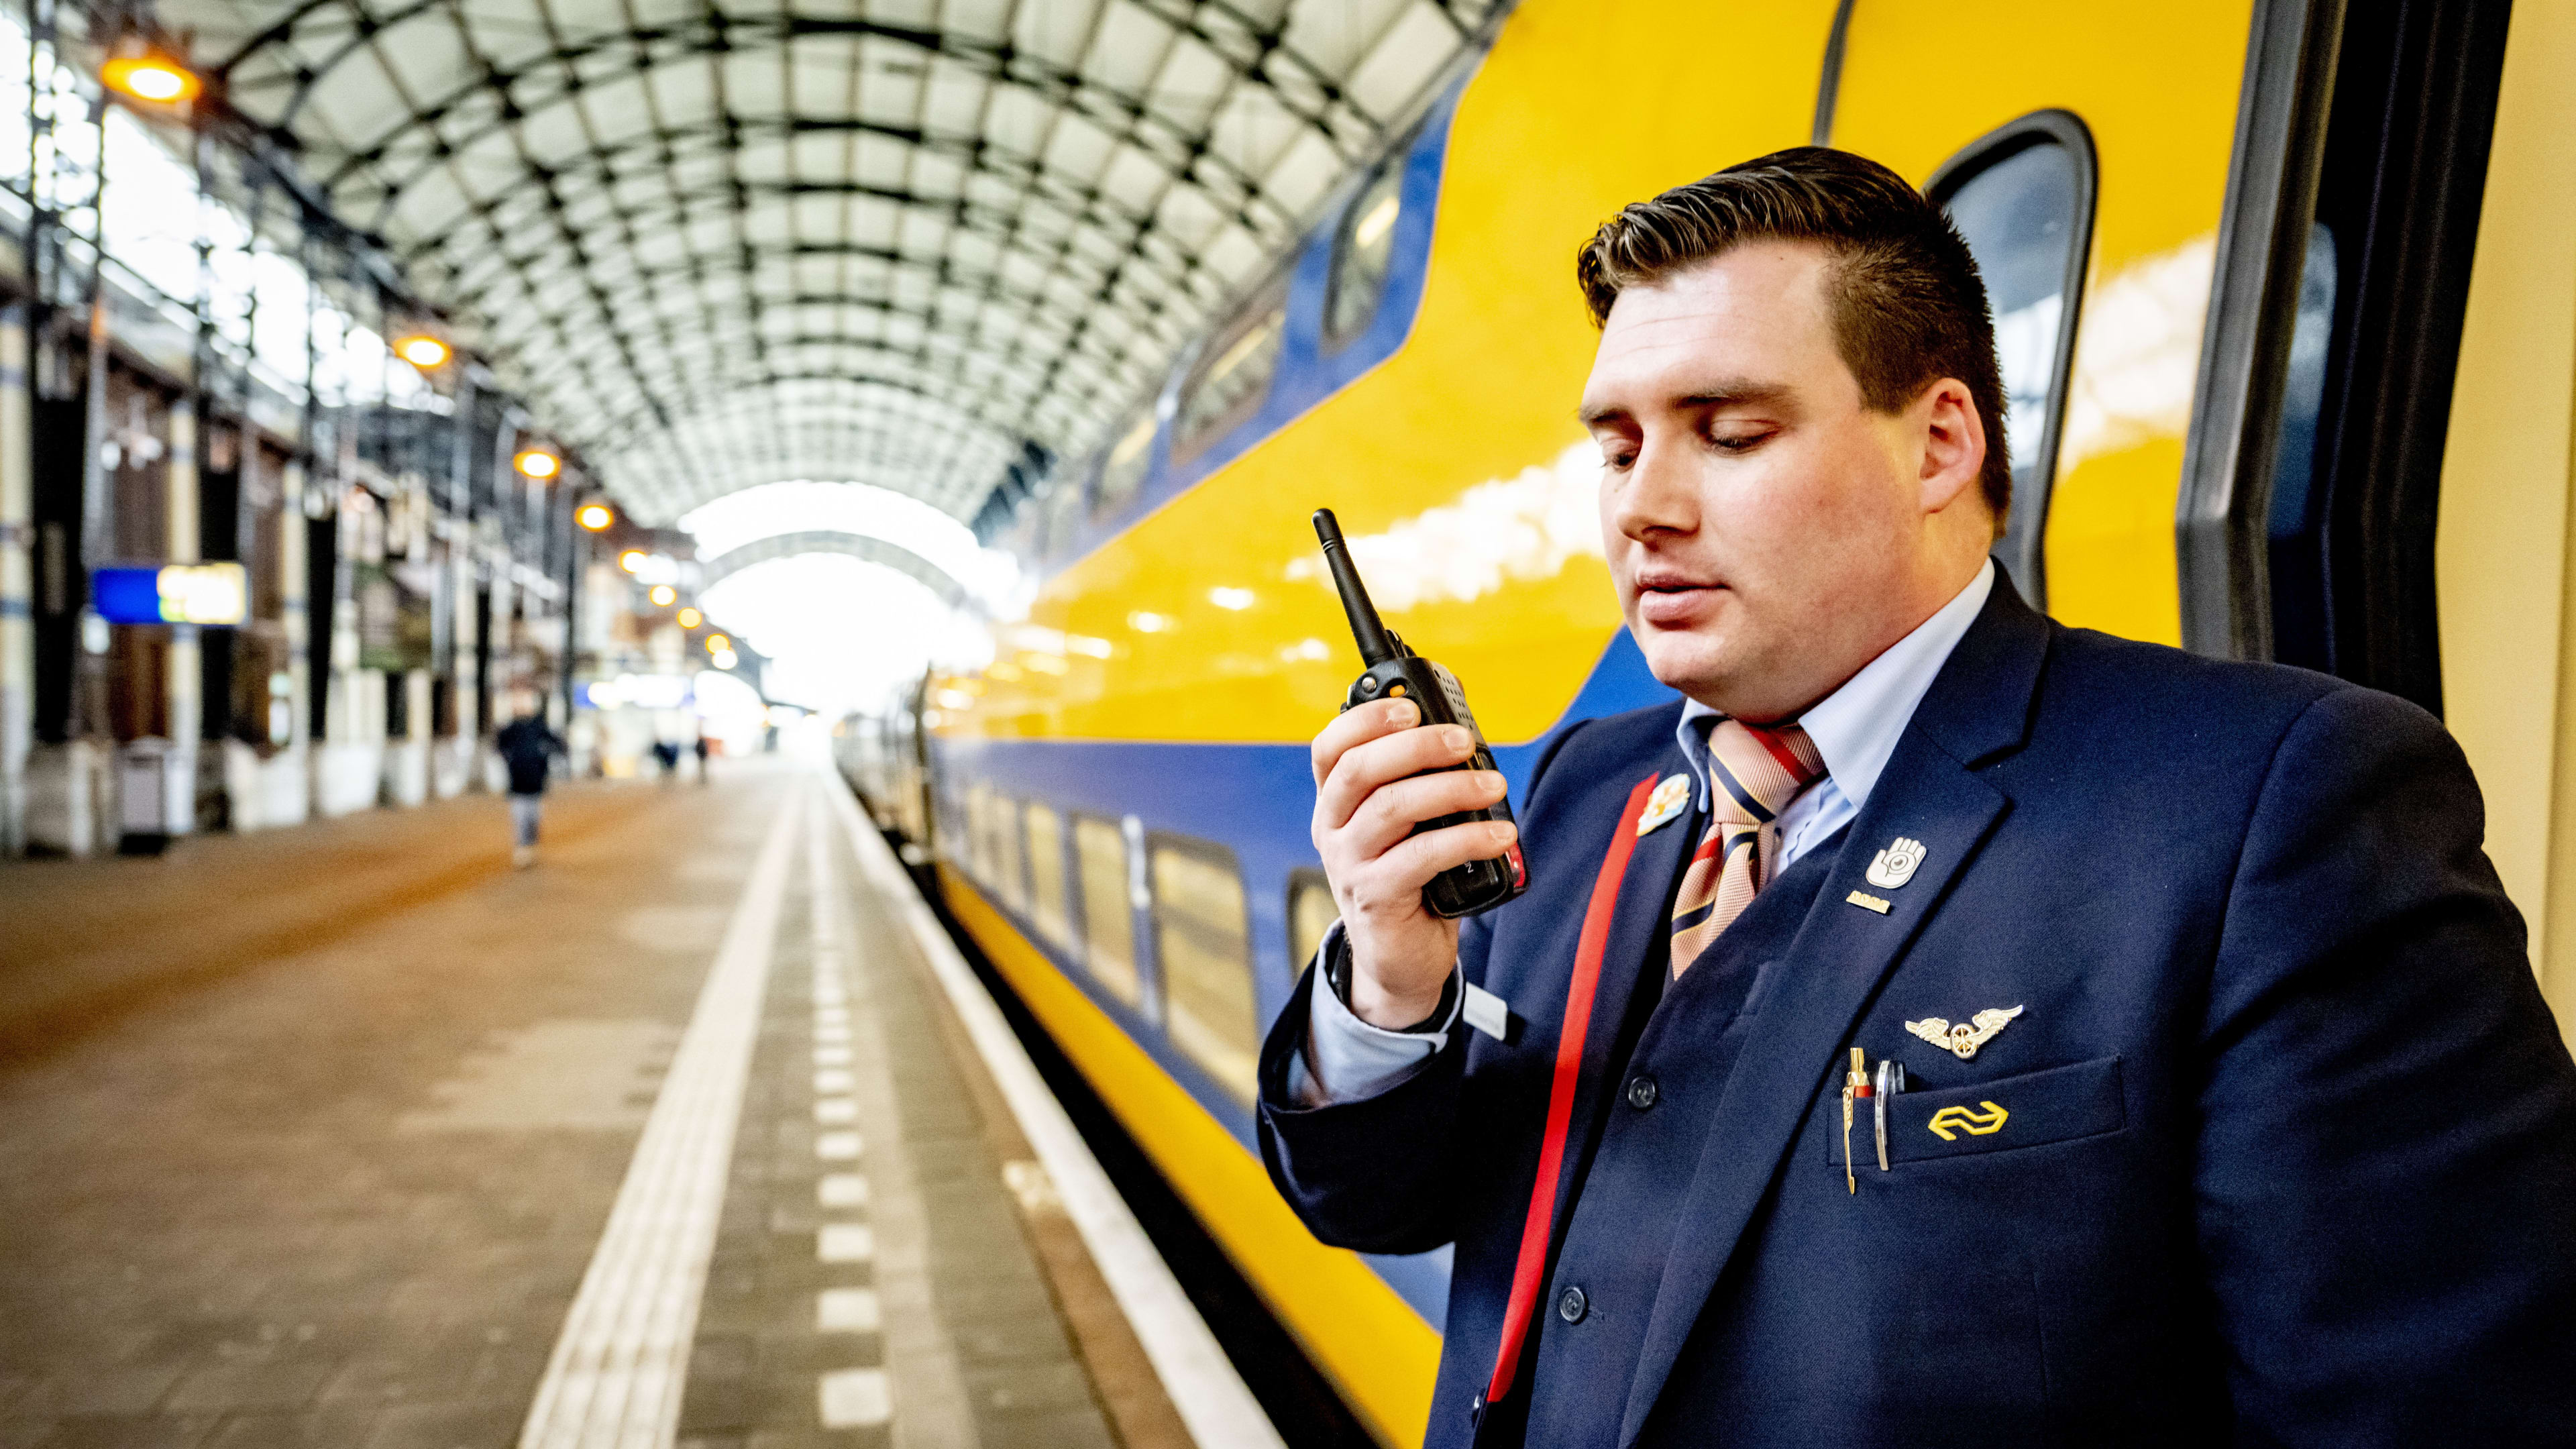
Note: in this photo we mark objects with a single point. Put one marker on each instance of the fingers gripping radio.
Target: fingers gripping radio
(1396, 672)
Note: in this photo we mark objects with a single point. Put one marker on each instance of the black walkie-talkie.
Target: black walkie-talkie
(1396, 672)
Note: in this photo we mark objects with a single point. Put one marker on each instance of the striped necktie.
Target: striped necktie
(1754, 772)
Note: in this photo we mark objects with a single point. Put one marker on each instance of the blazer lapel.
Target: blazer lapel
(1978, 707)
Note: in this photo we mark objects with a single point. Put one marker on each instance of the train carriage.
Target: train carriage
(2228, 246)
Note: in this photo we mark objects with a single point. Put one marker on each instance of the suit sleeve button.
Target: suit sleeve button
(1571, 1306)
(1641, 1092)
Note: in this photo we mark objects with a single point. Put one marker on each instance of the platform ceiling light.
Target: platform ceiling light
(632, 560)
(726, 659)
(718, 644)
(151, 76)
(596, 516)
(537, 463)
(690, 618)
(423, 351)
(664, 596)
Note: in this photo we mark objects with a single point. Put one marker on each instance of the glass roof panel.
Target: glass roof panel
(721, 244)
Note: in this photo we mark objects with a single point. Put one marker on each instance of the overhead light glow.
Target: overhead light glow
(537, 463)
(596, 516)
(423, 351)
(664, 596)
(726, 659)
(154, 78)
(632, 560)
(1145, 621)
(689, 618)
(1236, 599)
(718, 644)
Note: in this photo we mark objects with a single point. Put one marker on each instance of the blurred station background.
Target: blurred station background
(920, 405)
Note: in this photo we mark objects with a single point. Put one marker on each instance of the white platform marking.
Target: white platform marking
(832, 1083)
(856, 1399)
(1204, 1388)
(831, 1056)
(841, 1190)
(837, 1146)
(832, 1035)
(845, 1243)
(836, 1111)
(848, 1310)
(614, 1378)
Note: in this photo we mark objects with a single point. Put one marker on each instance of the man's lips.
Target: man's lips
(1672, 600)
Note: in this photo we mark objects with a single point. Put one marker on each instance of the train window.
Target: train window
(1311, 912)
(1046, 874)
(2023, 198)
(1228, 386)
(1058, 516)
(1123, 471)
(1206, 954)
(1108, 931)
(979, 833)
(1009, 880)
(1362, 252)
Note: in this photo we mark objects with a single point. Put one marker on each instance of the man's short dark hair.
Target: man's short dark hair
(1908, 305)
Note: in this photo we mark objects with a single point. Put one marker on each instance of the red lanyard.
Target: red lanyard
(1540, 1225)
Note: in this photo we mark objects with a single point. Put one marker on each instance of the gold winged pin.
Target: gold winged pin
(1962, 1041)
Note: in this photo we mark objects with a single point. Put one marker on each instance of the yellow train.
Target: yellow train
(2286, 297)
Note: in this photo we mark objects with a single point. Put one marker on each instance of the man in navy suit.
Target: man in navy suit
(2218, 1101)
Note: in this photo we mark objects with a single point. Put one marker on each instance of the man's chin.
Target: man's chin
(1686, 662)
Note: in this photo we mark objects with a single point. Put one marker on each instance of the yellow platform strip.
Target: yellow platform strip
(1364, 1336)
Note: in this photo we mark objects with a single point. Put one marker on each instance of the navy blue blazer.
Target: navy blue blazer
(2286, 1147)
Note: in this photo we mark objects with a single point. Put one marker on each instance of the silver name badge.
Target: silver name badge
(1487, 1012)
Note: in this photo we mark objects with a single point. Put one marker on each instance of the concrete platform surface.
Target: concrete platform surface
(353, 1136)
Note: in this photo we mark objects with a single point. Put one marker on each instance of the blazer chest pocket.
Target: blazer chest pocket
(2030, 1110)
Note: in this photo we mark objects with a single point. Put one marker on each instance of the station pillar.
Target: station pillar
(17, 581)
(184, 680)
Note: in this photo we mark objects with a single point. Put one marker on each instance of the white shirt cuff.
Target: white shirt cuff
(1345, 1059)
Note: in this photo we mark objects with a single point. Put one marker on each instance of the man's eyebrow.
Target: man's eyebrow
(1728, 393)
(1744, 394)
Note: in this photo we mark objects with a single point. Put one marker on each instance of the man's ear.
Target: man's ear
(1954, 443)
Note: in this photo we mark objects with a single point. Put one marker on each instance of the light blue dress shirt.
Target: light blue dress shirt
(1855, 729)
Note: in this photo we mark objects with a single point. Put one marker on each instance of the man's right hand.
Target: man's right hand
(1371, 789)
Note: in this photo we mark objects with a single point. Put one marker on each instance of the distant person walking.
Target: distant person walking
(704, 751)
(666, 753)
(527, 747)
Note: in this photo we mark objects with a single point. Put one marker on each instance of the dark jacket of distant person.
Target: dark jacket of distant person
(526, 746)
(2288, 1152)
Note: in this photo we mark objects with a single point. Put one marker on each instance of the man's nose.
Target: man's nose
(1660, 495)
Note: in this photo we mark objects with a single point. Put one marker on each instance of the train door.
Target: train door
(2086, 156)
(2228, 254)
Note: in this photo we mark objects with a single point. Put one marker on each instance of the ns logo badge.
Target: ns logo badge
(1895, 865)
(1949, 1122)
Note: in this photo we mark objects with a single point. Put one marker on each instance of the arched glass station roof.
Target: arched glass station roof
(723, 243)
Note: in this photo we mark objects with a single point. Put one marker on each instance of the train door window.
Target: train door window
(1362, 251)
(1205, 949)
(2023, 198)
(1228, 385)
(1311, 913)
(2296, 529)
(1046, 874)
(1108, 929)
(1123, 471)
(1010, 879)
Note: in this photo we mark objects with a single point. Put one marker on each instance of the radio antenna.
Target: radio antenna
(1375, 647)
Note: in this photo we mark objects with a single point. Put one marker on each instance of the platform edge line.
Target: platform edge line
(1211, 1398)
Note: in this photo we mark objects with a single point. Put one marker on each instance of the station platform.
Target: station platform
(353, 1135)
